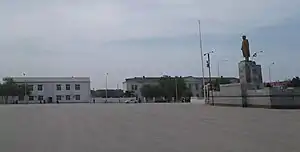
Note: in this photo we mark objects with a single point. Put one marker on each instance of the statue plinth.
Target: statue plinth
(250, 75)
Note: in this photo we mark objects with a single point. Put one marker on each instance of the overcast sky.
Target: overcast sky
(151, 38)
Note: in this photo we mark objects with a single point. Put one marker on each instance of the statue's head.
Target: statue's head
(244, 37)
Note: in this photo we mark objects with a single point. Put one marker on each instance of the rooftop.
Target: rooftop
(50, 79)
(185, 77)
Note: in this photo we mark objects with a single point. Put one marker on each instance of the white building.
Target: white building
(193, 83)
(51, 89)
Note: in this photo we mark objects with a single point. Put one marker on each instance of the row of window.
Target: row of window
(134, 87)
(196, 86)
(40, 87)
(68, 87)
(58, 97)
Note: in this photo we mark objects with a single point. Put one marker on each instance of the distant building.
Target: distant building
(111, 93)
(193, 83)
(278, 84)
(51, 89)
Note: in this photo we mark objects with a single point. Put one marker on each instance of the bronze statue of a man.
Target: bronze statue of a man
(245, 48)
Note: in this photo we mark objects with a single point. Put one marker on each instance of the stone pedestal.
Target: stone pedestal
(250, 79)
(250, 75)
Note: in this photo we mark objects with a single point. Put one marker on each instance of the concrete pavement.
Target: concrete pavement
(147, 128)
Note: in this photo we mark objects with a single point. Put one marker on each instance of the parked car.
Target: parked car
(131, 101)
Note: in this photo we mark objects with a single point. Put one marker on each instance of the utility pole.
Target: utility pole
(118, 92)
(176, 89)
(209, 73)
(202, 63)
(270, 78)
(219, 66)
(106, 75)
(93, 95)
(25, 87)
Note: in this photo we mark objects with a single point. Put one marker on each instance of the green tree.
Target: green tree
(10, 88)
(167, 88)
(169, 84)
(150, 91)
(146, 91)
(217, 82)
(295, 82)
(129, 94)
(223, 80)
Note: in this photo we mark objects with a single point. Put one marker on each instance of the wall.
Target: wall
(259, 98)
(229, 94)
(289, 98)
(266, 97)
(229, 90)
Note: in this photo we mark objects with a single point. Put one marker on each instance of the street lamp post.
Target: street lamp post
(225, 60)
(270, 79)
(106, 75)
(209, 73)
(93, 95)
(25, 87)
(202, 63)
(255, 54)
(119, 96)
(176, 89)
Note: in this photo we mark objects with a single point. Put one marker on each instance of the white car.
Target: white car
(131, 101)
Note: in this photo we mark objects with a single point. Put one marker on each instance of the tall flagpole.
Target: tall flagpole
(200, 43)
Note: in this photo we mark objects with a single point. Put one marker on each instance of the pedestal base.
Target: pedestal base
(250, 75)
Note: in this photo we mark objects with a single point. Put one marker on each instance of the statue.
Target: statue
(245, 48)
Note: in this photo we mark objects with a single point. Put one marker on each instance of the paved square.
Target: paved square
(147, 128)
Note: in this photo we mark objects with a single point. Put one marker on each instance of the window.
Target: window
(77, 97)
(21, 98)
(190, 86)
(40, 87)
(31, 98)
(134, 87)
(197, 86)
(40, 98)
(68, 97)
(58, 87)
(58, 97)
(77, 86)
(30, 87)
(68, 87)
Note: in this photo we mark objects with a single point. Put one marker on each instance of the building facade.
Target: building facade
(193, 83)
(53, 89)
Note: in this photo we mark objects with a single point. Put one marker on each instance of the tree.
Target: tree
(10, 88)
(150, 91)
(295, 82)
(167, 88)
(169, 84)
(223, 80)
(129, 94)
(146, 91)
(216, 84)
